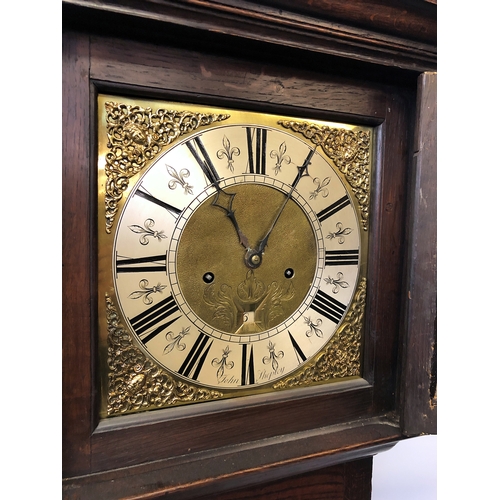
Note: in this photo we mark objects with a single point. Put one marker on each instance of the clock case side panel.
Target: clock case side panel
(418, 390)
(77, 345)
(388, 250)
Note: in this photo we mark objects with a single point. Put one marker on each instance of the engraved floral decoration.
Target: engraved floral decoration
(175, 341)
(273, 357)
(252, 295)
(342, 355)
(313, 327)
(280, 157)
(349, 150)
(228, 152)
(178, 179)
(136, 135)
(337, 283)
(340, 234)
(222, 304)
(223, 363)
(146, 231)
(146, 291)
(135, 383)
(320, 188)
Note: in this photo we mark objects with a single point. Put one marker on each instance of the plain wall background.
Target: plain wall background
(407, 471)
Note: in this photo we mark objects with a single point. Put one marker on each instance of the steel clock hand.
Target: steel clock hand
(253, 258)
(225, 201)
(222, 199)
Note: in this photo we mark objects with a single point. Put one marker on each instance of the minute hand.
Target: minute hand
(302, 171)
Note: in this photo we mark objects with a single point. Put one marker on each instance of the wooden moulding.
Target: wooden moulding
(369, 32)
(239, 466)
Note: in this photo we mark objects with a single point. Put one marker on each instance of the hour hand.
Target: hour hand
(225, 201)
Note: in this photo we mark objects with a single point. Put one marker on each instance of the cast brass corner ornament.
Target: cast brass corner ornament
(349, 150)
(135, 382)
(135, 136)
(341, 357)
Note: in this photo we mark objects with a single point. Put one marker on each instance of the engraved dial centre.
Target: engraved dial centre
(236, 299)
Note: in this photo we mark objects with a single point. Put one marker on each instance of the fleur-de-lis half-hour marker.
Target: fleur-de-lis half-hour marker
(314, 327)
(146, 291)
(280, 157)
(178, 179)
(340, 234)
(320, 188)
(174, 341)
(228, 152)
(273, 357)
(223, 363)
(147, 231)
(337, 283)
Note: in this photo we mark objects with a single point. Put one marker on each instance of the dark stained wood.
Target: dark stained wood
(228, 468)
(387, 248)
(412, 21)
(349, 481)
(237, 24)
(226, 424)
(357, 479)
(420, 345)
(250, 84)
(77, 330)
(355, 61)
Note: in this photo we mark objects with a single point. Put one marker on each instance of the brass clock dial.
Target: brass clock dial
(235, 254)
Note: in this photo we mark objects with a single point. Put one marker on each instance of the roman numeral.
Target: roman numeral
(173, 210)
(328, 306)
(152, 317)
(342, 257)
(301, 357)
(205, 163)
(257, 154)
(333, 208)
(133, 265)
(247, 366)
(196, 357)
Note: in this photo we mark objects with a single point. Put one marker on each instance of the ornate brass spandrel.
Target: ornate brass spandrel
(342, 356)
(136, 135)
(349, 150)
(135, 383)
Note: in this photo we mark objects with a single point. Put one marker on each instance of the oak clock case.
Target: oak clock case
(232, 252)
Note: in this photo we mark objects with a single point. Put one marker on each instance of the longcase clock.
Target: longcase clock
(245, 189)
